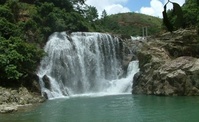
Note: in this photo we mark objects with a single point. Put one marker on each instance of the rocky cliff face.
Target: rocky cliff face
(169, 65)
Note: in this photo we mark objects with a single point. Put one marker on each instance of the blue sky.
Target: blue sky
(149, 7)
(135, 5)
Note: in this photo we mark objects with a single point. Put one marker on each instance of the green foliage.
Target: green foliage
(62, 4)
(45, 9)
(191, 12)
(14, 7)
(81, 2)
(91, 14)
(75, 25)
(18, 59)
(7, 29)
(6, 13)
(104, 14)
(129, 24)
(30, 25)
(51, 18)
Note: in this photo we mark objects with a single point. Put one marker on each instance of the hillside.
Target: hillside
(130, 24)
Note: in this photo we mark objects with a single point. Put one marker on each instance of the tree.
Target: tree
(78, 4)
(91, 14)
(18, 59)
(191, 12)
(6, 13)
(15, 8)
(62, 4)
(104, 14)
(104, 18)
(81, 2)
(7, 29)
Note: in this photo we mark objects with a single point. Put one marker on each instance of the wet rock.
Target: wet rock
(46, 81)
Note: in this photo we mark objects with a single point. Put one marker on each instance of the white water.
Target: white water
(84, 64)
(136, 38)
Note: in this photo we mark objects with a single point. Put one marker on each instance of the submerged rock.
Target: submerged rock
(169, 65)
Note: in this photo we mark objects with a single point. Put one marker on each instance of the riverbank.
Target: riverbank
(12, 99)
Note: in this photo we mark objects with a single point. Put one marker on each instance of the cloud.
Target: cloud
(170, 6)
(111, 6)
(116, 8)
(156, 7)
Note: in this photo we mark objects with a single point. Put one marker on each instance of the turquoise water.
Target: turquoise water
(116, 108)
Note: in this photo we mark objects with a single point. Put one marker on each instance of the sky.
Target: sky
(149, 7)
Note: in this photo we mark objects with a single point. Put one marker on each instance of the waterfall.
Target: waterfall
(84, 63)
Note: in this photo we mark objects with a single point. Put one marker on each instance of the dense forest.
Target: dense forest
(25, 26)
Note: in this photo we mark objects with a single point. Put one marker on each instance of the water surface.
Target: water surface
(115, 108)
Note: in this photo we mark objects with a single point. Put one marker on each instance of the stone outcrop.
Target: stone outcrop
(130, 47)
(169, 65)
(11, 99)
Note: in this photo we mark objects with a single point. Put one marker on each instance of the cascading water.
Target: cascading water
(84, 63)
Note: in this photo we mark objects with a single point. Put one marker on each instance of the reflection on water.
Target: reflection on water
(117, 108)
